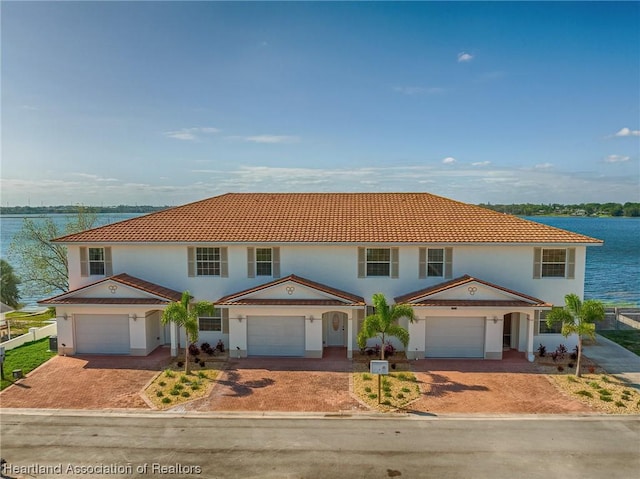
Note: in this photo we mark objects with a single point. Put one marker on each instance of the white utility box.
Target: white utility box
(379, 367)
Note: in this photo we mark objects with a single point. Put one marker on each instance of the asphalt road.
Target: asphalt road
(91, 445)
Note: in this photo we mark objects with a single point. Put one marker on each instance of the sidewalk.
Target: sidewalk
(615, 360)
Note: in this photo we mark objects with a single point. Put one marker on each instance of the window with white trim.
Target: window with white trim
(378, 261)
(264, 261)
(208, 261)
(554, 263)
(435, 262)
(211, 323)
(556, 327)
(96, 261)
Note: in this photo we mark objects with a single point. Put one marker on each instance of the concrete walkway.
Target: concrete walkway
(615, 360)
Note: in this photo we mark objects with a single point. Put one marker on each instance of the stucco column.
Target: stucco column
(173, 328)
(530, 321)
(350, 336)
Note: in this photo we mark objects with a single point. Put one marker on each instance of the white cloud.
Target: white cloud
(616, 159)
(449, 160)
(190, 134)
(481, 163)
(543, 166)
(272, 139)
(627, 132)
(89, 176)
(464, 57)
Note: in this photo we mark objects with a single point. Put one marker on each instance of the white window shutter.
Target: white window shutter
(225, 320)
(362, 269)
(537, 263)
(251, 263)
(571, 263)
(422, 263)
(224, 262)
(395, 267)
(84, 262)
(191, 262)
(275, 260)
(108, 265)
(448, 263)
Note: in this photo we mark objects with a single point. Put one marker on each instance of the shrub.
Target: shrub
(620, 404)
(220, 346)
(560, 368)
(201, 364)
(169, 373)
(624, 397)
(207, 349)
(584, 393)
(180, 364)
(367, 389)
(389, 350)
(387, 389)
(574, 353)
(386, 402)
(166, 400)
(591, 369)
(366, 377)
(406, 390)
(606, 398)
(604, 392)
(403, 377)
(570, 365)
(542, 350)
(561, 350)
(159, 394)
(178, 387)
(201, 375)
(162, 384)
(400, 396)
(605, 379)
(594, 384)
(195, 386)
(184, 379)
(373, 396)
(193, 350)
(572, 379)
(555, 356)
(388, 394)
(174, 392)
(626, 392)
(185, 394)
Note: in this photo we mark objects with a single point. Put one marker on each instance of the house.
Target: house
(292, 274)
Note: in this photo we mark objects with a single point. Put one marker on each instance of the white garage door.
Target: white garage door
(455, 338)
(275, 336)
(102, 334)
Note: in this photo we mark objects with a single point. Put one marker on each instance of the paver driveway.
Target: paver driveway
(86, 382)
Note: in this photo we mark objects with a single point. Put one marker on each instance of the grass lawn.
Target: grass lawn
(627, 339)
(20, 321)
(26, 357)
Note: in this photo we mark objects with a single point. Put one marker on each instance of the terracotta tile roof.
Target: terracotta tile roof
(327, 218)
(282, 302)
(421, 297)
(241, 297)
(165, 294)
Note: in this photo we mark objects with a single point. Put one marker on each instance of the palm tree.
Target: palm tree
(384, 323)
(579, 318)
(185, 315)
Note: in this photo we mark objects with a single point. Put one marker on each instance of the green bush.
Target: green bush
(162, 384)
(594, 384)
(166, 400)
(388, 394)
(400, 396)
(605, 379)
(406, 390)
(620, 404)
(366, 377)
(185, 394)
(159, 394)
(195, 386)
(604, 392)
(585, 393)
(174, 392)
(184, 379)
(201, 375)
(169, 373)
(373, 396)
(606, 398)
(386, 402)
(178, 387)
(367, 389)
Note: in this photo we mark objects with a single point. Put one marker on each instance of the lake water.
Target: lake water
(612, 275)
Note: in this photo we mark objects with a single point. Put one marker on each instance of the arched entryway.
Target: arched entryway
(335, 328)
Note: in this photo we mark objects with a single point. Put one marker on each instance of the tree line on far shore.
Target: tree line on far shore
(583, 209)
(628, 209)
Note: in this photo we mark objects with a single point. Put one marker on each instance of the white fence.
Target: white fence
(33, 335)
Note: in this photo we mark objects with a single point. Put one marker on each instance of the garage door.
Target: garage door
(102, 334)
(275, 336)
(455, 338)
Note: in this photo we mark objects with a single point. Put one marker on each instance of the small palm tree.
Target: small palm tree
(579, 318)
(185, 315)
(384, 323)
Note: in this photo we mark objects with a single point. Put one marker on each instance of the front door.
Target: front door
(335, 328)
(506, 332)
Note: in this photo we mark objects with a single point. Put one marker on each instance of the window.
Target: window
(435, 262)
(556, 328)
(377, 262)
(208, 261)
(210, 323)
(554, 262)
(263, 261)
(96, 261)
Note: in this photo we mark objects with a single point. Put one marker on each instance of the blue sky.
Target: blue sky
(169, 102)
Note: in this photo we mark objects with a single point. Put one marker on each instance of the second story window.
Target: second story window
(95, 262)
(435, 262)
(208, 261)
(554, 263)
(263, 261)
(378, 261)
